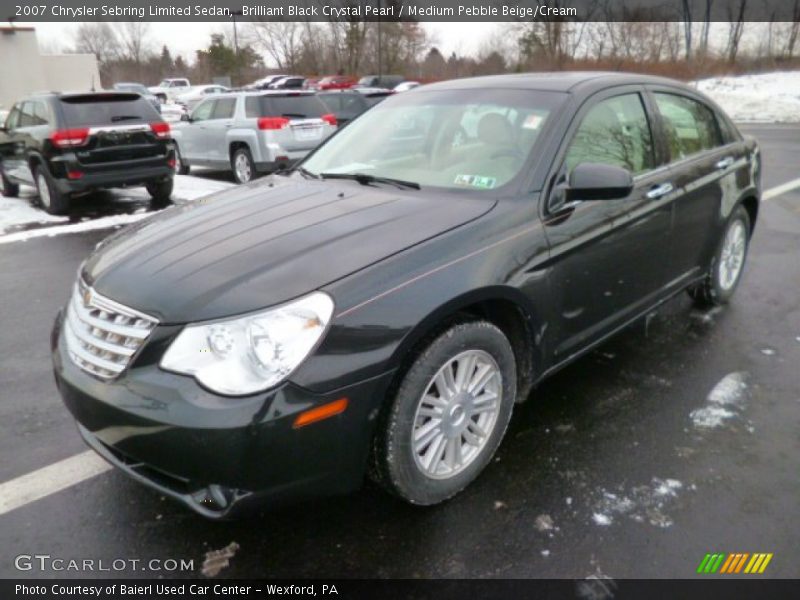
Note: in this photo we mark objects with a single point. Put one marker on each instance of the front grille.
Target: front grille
(102, 335)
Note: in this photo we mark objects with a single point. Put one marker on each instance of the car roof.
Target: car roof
(558, 81)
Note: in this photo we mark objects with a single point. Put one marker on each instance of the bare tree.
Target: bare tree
(735, 15)
(686, 6)
(98, 39)
(702, 49)
(282, 41)
(134, 40)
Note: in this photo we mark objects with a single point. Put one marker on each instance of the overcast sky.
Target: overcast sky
(185, 38)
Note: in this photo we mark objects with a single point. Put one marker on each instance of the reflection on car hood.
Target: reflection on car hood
(260, 245)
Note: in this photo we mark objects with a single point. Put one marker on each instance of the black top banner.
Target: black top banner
(399, 10)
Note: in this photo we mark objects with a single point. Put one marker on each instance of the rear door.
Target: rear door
(608, 255)
(119, 130)
(704, 160)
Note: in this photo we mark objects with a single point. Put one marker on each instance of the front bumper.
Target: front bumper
(215, 454)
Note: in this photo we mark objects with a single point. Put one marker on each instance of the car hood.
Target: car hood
(263, 244)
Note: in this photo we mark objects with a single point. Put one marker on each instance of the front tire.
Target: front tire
(160, 193)
(10, 190)
(242, 163)
(728, 263)
(448, 415)
(50, 197)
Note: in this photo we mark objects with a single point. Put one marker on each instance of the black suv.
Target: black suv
(64, 144)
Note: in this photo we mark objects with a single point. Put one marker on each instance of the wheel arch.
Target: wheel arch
(750, 204)
(505, 307)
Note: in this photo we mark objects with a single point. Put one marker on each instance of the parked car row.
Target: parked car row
(68, 144)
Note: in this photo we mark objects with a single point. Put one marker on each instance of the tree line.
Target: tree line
(686, 49)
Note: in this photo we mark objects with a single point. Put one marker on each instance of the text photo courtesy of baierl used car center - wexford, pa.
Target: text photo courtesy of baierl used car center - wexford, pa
(399, 299)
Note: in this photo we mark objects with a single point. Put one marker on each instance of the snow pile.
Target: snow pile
(727, 396)
(767, 97)
(642, 503)
(18, 213)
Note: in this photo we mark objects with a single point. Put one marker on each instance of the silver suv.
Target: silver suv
(252, 132)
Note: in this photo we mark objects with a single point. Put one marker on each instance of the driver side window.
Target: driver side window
(614, 132)
(203, 111)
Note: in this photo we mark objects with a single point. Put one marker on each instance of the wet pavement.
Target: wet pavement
(679, 437)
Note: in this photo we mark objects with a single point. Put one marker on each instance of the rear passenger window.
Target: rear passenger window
(224, 108)
(614, 132)
(252, 108)
(690, 126)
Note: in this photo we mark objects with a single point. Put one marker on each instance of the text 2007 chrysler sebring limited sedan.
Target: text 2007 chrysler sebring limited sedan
(382, 308)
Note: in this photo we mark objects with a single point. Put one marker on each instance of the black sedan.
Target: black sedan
(381, 309)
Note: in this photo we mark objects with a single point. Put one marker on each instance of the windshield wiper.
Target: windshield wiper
(124, 118)
(306, 173)
(295, 115)
(366, 179)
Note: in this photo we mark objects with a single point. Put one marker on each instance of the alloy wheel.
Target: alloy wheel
(456, 414)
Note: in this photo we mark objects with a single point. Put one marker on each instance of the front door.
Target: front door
(607, 256)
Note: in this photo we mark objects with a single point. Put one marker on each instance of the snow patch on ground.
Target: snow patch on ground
(16, 213)
(643, 503)
(766, 97)
(724, 401)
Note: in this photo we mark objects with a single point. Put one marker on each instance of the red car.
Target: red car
(336, 82)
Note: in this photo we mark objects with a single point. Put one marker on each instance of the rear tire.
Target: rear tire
(242, 164)
(727, 265)
(448, 415)
(51, 199)
(9, 189)
(181, 168)
(160, 193)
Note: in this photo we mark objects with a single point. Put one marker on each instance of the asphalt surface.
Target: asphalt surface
(603, 471)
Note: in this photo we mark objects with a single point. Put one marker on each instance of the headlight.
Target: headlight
(251, 353)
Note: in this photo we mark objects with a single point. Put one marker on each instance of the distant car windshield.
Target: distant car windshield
(474, 139)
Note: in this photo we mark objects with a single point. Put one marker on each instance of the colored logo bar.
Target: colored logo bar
(742, 562)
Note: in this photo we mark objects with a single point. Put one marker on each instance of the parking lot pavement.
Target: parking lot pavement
(677, 438)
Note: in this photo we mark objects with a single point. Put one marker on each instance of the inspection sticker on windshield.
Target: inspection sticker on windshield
(478, 181)
(532, 122)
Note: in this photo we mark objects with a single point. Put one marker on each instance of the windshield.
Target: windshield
(460, 139)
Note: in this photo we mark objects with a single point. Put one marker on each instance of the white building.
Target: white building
(23, 70)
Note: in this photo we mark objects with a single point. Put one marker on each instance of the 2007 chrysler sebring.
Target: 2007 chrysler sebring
(380, 309)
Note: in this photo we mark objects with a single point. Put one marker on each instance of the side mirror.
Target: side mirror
(596, 181)
(186, 117)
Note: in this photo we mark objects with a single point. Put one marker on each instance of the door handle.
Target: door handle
(659, 191)
(725, 163)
